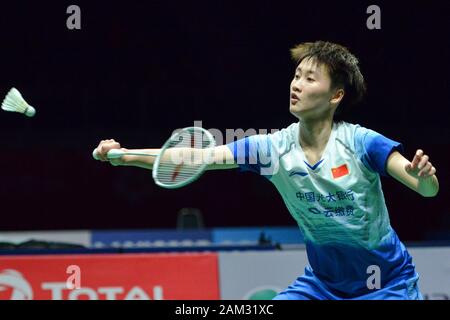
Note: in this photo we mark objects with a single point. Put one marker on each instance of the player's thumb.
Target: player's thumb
(408, 167)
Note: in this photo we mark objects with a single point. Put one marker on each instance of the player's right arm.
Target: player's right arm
(127, 160)
(223, 159)
(222, 156)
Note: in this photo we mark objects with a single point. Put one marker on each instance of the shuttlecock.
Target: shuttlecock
(16, 103)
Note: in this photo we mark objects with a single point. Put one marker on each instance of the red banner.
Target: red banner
(110, 277)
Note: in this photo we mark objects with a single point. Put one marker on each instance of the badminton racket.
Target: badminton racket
(182, 159)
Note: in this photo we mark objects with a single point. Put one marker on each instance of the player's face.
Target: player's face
(310, 90)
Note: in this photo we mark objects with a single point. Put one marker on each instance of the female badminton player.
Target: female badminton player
(328, 174)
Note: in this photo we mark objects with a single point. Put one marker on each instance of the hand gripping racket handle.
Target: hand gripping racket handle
(112, 154)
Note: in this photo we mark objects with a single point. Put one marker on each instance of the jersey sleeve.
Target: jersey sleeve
(255, 154)
(374, 149)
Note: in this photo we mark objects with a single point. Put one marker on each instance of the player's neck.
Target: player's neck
(314, 135)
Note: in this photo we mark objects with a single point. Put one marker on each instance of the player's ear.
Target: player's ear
(337, 96)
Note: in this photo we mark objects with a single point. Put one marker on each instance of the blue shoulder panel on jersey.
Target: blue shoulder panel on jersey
(252, 153)
(374, 149)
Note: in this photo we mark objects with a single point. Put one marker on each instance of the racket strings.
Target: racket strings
(185, 157)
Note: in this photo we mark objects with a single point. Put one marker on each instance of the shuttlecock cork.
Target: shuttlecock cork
(14, 102)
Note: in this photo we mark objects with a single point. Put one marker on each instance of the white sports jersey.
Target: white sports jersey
(337, 202)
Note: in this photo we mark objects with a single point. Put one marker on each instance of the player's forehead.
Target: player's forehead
(311, 65)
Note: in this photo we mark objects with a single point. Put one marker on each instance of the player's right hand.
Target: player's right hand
(104, 146)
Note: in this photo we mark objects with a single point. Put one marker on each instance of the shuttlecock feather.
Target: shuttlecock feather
(14, 102)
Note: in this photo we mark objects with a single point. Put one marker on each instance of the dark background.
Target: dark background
(137, 70)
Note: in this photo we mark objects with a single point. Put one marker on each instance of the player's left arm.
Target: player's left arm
(419, 175)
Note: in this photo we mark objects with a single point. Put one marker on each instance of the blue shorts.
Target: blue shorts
(309, 287)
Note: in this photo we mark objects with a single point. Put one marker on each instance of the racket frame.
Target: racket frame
(200, 171)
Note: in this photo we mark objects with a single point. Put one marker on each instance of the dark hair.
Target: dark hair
(342, 66)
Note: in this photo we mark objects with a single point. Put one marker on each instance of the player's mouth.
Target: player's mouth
(294, 98)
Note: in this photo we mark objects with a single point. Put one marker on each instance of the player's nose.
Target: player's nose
(295, 88)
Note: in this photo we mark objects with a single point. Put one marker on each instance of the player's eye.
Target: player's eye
(310, 79)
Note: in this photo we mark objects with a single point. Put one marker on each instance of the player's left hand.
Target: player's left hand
(420, 166)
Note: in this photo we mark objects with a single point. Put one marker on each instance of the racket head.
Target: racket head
(181, 166)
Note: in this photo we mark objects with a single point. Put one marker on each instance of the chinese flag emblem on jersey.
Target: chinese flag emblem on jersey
(339, 171)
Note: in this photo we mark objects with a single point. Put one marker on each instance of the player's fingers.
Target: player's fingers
(425, 171)
(432, 171)
(101, 155)
(105, 146)
(423, 161)
(110, 146)
(428, 170)
(416, 159)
